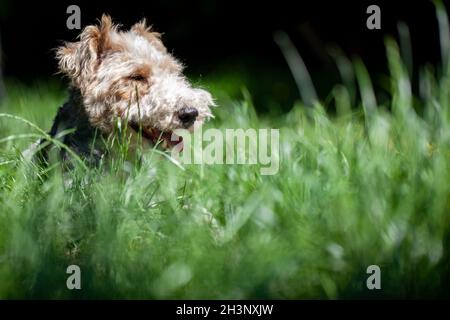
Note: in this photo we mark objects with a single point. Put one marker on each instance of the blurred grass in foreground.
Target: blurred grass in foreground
(368, 186)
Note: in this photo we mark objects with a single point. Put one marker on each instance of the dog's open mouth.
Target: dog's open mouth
(164, 139)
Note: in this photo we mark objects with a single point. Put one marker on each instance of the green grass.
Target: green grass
(367, 186)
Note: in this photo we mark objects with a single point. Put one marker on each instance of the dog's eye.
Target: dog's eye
(137, 77)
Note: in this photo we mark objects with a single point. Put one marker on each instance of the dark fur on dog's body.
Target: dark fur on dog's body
(81, 135)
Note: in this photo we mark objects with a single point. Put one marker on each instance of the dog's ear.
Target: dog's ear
(141, 29)
(81, 57)
(68, 59)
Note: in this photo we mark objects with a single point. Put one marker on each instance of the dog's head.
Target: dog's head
(130, 75)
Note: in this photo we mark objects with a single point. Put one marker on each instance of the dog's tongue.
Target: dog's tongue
(173, 139)
(170, 138)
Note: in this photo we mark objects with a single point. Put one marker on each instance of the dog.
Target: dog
(123, 78)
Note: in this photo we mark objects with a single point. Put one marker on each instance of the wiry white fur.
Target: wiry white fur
(107, 59)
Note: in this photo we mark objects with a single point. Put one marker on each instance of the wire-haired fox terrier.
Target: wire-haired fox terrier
(125, 76)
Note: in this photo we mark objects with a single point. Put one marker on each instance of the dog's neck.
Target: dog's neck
(72, 116)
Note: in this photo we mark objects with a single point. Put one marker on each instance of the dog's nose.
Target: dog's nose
(187, 115)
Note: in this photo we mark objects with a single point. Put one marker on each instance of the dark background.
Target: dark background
(212, 37)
